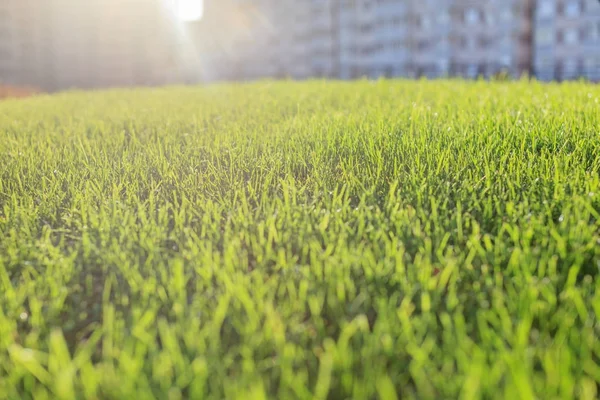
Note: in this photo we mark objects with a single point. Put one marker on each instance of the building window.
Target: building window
(558, 69)
(544, 36)
(544, 64)
(425, 22)
(570, 68)
(471, 16)
(572, 8)
(417, 21)
(422, 45)
(595, 32)
(571, 36)
(589, 65)
(484, 42)
(471, 43)
(443, 66)
(546, 8)
(365, 28)
(472, 70)
(443, 17)
(584, 34)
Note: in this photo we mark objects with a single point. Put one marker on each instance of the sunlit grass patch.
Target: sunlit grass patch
(302, 240)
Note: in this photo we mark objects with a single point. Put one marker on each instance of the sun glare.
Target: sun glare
(189, 10)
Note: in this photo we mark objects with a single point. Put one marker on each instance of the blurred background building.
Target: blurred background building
(567, 39)
(60, 44)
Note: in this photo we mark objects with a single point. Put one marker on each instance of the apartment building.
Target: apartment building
(116, 43)
(61, 44)
(429, 38)
(352, 38)
(372, 38)
(8, 52)
(323, 28)
(434, 38)
(21, 30)
(567, 39)
(490, 36)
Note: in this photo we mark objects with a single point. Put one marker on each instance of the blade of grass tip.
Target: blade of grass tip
(386, 389)
(325, 370)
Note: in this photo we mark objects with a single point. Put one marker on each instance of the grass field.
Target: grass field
(363, 240)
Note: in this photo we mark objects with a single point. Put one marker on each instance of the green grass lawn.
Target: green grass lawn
(368, 240)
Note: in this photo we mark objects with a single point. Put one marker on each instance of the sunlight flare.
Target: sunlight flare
(189, 10)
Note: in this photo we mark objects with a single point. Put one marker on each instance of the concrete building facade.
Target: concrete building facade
(567, 39)
(117, 43)
(8, 50)
(62, 44)
(22, 28)
(490, 36)
(351, 38)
